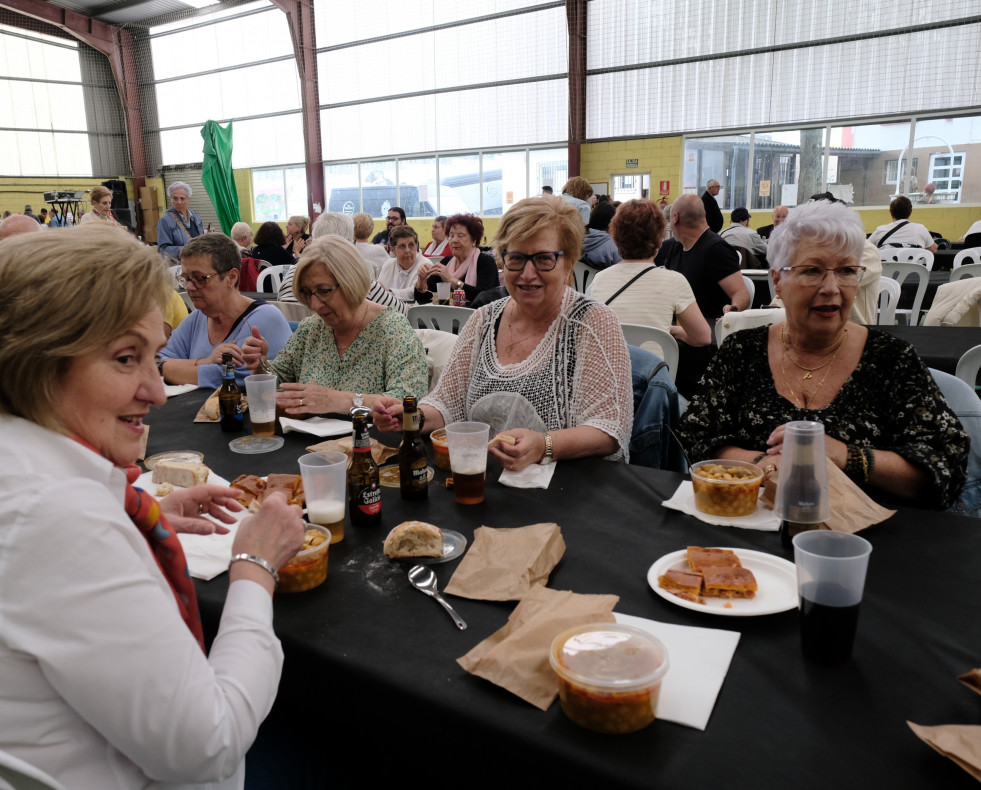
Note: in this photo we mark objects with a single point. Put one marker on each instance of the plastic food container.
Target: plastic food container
(726, 488)
(441, 450)
(609, 676)
(308, 569)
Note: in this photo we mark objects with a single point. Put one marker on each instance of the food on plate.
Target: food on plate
(726, 488)
(414, 539)
(725, 582)
(254, 489)
(700, 558)
(180, 473)
(712, 573)
(609, 676)
(308, 568)
(684, 584)
(291, 485)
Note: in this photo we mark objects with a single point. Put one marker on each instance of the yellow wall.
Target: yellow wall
(15, 193)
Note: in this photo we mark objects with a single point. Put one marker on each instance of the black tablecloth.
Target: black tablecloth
(939, 347)
(371, 663)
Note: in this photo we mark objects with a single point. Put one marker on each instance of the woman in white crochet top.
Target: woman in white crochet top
(562, 351)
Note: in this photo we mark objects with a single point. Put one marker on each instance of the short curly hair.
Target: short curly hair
(473, 224)
(901, 207)
(270, 233)
(637, 228)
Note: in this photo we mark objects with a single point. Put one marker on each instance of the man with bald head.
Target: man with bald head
(713, 214)
(18, 223)
(780, 213)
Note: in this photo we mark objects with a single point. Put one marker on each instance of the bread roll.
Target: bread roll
(414, 539)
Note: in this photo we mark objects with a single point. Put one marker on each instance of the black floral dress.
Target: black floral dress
(890, 402)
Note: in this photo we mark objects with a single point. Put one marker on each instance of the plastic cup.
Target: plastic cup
(261, 389)
(467, 442)
(443, 292)
(325, 489)
(802, 486)
(831, 569)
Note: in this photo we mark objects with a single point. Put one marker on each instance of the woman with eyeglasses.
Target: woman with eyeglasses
(466, 268)
(560, 350)
(886, 423)
(223, 318)
(352, 352)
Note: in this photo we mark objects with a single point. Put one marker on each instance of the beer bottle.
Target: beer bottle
(413, 464)
(363, 489)
(230, 397)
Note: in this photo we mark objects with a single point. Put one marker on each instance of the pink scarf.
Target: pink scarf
(467, 270)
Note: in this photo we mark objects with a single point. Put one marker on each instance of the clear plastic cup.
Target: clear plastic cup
(261, 389)
(831, 568)
(325, 490)
(467, 442)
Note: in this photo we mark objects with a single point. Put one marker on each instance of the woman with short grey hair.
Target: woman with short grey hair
(179, 224)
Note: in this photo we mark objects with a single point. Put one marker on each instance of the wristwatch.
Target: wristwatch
(358, 400)
(547, 457)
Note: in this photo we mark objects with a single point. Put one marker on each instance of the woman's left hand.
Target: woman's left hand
(528, 449)
(440, 270)
(308, 399)
(185, 508)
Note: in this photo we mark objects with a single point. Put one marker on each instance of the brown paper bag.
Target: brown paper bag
(960, 742)
(504, 564)
(516, 656)
(380, 452)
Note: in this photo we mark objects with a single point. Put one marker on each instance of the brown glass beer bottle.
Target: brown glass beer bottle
(413, 464)
(363, 489)
(229, 397)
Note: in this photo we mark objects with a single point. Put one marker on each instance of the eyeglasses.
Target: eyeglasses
(814, 275)
(323, 294)
(199, 280)
(542, 261)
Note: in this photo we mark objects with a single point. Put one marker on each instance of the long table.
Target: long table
(371, 663)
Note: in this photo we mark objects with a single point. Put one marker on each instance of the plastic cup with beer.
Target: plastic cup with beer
(467, 443)
(325, 489)
(443, 292)
(261, 389)
(831, 569)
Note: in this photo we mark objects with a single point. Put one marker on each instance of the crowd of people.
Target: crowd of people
(135, 697)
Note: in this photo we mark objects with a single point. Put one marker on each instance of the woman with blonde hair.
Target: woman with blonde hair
(561, 351)
(296, 235)
(101, 198)
(106, 681)
(352, 351)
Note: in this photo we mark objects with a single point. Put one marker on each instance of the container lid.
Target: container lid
(609, 655)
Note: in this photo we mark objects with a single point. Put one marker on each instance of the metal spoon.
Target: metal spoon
(424, 580)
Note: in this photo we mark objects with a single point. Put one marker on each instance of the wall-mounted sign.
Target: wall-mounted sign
(764, 189)
(633, 163)
(665, 188)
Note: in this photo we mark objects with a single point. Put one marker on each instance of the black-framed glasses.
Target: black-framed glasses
(814, 275)
(199, 280)
(323, 294)
(542, 261)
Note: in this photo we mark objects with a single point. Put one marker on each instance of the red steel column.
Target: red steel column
(575, 12)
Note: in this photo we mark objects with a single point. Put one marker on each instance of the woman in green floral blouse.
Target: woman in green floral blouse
(352, 351)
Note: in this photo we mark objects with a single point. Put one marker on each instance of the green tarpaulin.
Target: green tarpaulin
(217, 173)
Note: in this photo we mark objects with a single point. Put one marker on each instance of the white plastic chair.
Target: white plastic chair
(889, 293)
(915, 255)
(445, 318)
(965, 270)
(901, 271)
(638, 334)
(583, 274)
(966, 257)
(968, 365)
(15, 773)
(751, 287)
(747, 319)
(269, 279)
(174, 271)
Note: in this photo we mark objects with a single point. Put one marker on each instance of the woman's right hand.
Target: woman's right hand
(275, 533)
(387, 414)
(254, 349)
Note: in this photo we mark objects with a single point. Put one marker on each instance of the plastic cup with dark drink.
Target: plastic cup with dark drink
(325, 490)
(467, 442)
(831, 569)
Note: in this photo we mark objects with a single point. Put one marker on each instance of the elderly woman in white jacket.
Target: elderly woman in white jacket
(399, 274)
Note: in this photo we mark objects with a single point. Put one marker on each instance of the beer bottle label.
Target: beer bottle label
(369, 499)
(362, 443)
(410, 421)
(420, 472)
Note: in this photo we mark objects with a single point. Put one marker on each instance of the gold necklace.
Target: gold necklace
(808, 371)
(805, 398)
